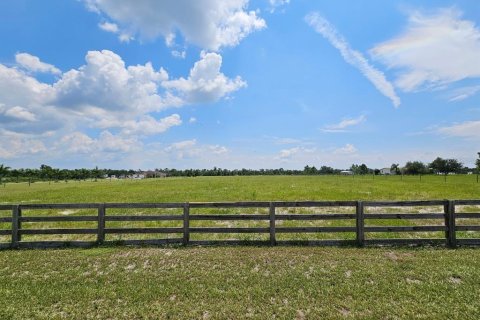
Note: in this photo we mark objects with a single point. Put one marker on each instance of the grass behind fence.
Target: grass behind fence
(260, 188)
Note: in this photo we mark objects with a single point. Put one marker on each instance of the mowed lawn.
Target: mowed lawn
(240, 283)
(289, 282)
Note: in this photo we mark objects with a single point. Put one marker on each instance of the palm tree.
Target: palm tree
(3, 171)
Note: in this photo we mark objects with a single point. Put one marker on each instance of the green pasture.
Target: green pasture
(245, 188)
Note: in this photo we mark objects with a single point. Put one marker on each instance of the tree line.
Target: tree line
(48, 173)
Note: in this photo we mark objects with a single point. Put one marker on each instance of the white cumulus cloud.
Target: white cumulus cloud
(34, 64)
(210, 24)
(19, 113)
(205, 82)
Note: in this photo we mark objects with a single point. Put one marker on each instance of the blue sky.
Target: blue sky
(238, 84)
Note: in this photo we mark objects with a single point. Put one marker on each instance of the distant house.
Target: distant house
(386, 171)
(346, 172)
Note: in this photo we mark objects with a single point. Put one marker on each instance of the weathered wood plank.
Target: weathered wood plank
(160, 205)
(449, 209)
(57, 218)
(360, 224)
(5, 207)
(143, 230)
(5, 245)
(5, 232)
(56, 244)
(468, 242)
(467, 228)
(58, 231)
(60, 206)
(467, 202)
(314, 229)
(101, 224)
(229, 230)
(332, 216)
(472, 215)
(404, 216)
(242, 204)
(6, 219)
(144, 218)
(16, 225)
(230, 242)
(272, 224)
(405, 241)
(186, 223)
(331, 242)
(224, 217)
(306, 204)
(403, 203)
(145, 242)
(405, 229)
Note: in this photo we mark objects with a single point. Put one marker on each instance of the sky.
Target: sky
(238, 84)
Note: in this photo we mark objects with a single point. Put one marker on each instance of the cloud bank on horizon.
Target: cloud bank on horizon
(206, 83)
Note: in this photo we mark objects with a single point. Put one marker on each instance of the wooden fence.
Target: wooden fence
(358, 212)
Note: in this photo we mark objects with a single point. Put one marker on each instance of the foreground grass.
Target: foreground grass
(240, 282)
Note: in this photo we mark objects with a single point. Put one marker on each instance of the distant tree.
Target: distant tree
(3, 171)
(363, 169)
(453, 165)
(310, 170)
(46, 172)
(15, 173)
(326, 170)
(478, 163)
(446, 166)
(395, 168)
(439, 165)
(96, 173)
(415, 167)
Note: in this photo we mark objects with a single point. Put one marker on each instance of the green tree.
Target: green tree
(478, 163)
(439, 165)
(3, 171)
(395, 168)
(415, 167)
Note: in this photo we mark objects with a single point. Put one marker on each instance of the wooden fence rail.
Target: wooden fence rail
(360, 218)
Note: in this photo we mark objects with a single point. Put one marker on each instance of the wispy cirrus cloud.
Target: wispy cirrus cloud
(344, 124)
(467, 130)
(463, 93)
(353, 57)
(435, 49)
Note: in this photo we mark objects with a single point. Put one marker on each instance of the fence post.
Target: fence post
(273, 241)
(360, 224)
(186, 223)
(16, 225)
(450, 235)
(101, 223)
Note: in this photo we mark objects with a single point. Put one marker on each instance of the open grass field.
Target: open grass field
(246, 188)
(241, 282)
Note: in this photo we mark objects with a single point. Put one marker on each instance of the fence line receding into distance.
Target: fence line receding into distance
(358, 214)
